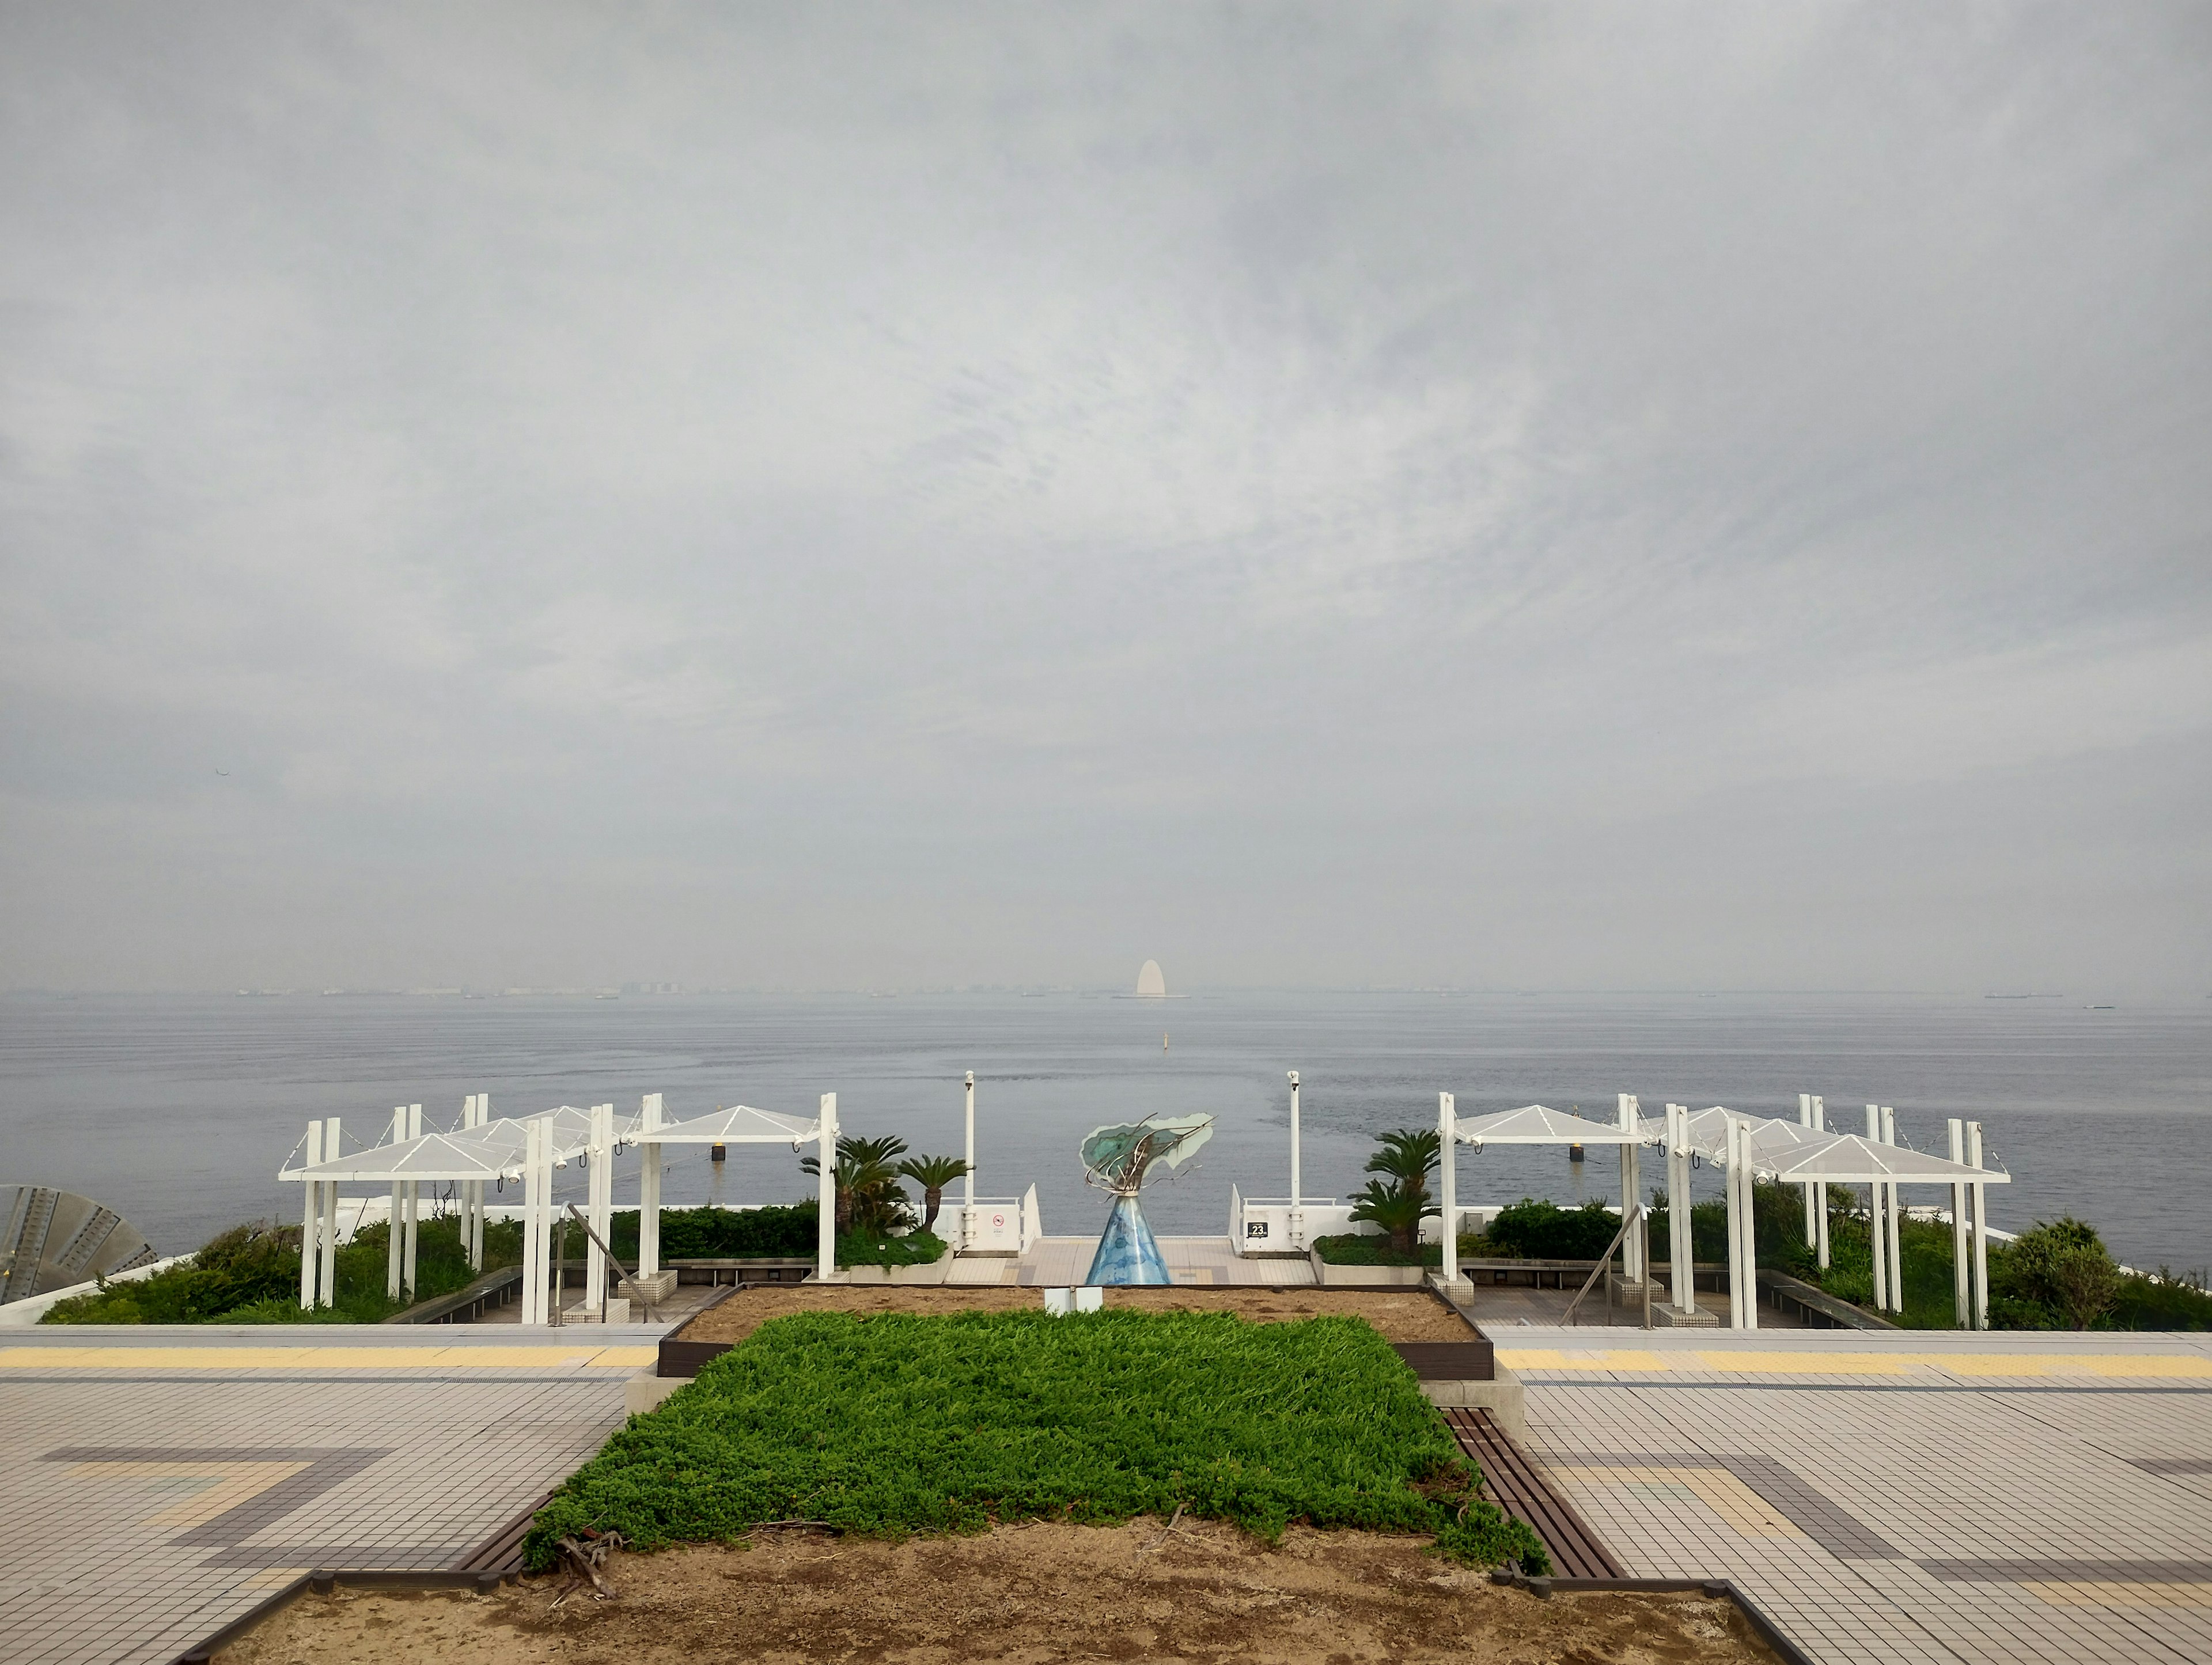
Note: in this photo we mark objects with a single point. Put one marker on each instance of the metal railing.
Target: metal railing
(1641, 1211)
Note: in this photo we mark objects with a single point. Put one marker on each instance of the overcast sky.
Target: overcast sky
(824, 496)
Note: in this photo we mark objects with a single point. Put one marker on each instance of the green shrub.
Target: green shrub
(1536, 1230)
(899, 1424)
(865, 1249)
(250, 1274)
(722, 1234)
(1353, 1250)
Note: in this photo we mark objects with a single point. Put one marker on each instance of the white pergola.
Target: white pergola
(477, 1150)
(1802, 1154)
(481, 1149)
(740, 1124)
(1538, 1124)
(1745, 1147)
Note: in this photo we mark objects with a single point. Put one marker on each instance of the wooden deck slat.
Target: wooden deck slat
(1512, 1482)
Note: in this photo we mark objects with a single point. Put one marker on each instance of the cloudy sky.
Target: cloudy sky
(830, 495)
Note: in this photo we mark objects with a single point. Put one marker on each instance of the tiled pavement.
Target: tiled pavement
(1900, 1497)
(157, 1482)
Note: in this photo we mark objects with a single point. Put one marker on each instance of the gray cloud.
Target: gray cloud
(853, 494)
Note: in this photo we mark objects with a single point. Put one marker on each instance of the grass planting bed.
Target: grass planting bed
(899, 1423)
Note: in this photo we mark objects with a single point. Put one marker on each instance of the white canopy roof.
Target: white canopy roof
(1850, 1159)
(740, 1124)
(1535, 1124)
(489, 1152)
(1792, 1151)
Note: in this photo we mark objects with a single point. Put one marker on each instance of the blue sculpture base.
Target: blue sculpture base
(1127, 1251)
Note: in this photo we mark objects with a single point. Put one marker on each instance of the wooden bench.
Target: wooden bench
(753, 1269)
(1511, 1481)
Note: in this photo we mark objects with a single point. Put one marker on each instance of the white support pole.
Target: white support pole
(1750, 1235)
(1892, 1211)
(648, 1192)
(1877, 1232)
(1735, 1192)
(1634, 1245)
(1962, 1299)
(825, 1252)
(414, 1207)
(475, 1116)
(533, 1269)
(397, 1245)
(1448, 1159)
(968, 1180)
(1981, 1229)
(1820, 1187)
(311, 1221)
(1812, 1225)
(1679, 1236)
(332, 1150)
(1298, 1221)
(600, 1209)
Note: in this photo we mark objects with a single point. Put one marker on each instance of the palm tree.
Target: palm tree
(1398, 1208)
(933, 1174)
(1406, 1156)
(869, 1194)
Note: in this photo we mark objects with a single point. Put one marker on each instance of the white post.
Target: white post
(826, 1255)
(1820, 1187)
(598, 1208)
(1447, 1156)
(1892, 1211)
(1678, 1235)
(1631, 1183)
(414, 1207)
(311, 1221)
(1750, 1235)
(1962, 1310)
(332, 1150)
(648, 1192)
(1981, 1229)
(1805, 1119)
(1735, 1228)
(968, 1181)
(1298, 1221)
(479, 1112)
(392, 1282)
(1877, 1233)
(534, 1261)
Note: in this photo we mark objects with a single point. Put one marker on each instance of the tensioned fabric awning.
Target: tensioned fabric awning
(1536, 1124)
(1773, 1139)
(740, 1124)
(492, 1150)
(1853, 1159)
(1789, 1150)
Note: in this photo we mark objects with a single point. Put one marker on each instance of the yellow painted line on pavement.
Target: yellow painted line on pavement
(555, 1356)
(1782, 1362)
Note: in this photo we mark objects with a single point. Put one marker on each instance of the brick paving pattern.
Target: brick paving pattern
(161, 1482)
(1900, 1496)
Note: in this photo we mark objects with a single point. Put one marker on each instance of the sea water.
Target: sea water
(177, 1111)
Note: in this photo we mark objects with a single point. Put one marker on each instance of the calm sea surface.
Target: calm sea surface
(177, 1111)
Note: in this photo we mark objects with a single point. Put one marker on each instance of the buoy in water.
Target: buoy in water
(1574, 1153)
(718, 1153)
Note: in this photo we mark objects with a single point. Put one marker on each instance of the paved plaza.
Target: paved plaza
(159, 1482)
(1900, 1496)
(1884, 1495)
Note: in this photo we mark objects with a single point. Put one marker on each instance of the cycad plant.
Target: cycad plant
(869, 1196)
(933, 1174)
(1399, 1201)
(1397, 1208)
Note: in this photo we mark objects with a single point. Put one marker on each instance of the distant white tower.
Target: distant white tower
(1151, 985)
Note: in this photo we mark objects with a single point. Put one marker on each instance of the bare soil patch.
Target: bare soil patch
(1026, 1596)
(1407, 1315)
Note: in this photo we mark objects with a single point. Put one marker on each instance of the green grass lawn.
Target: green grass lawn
(896, 1423)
